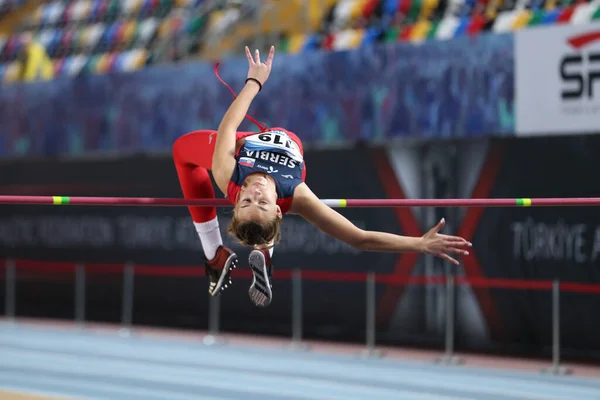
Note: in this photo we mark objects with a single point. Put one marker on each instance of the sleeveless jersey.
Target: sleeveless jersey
(273, 152)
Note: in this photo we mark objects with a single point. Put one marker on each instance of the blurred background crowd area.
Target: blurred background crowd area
(43, 39)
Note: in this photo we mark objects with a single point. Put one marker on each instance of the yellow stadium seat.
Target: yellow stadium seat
(428, 8)
(521, 20)
(296, 43)
(357, 38)
(129, 31)
(140, 58)
(550, 5)
(491, 10)
(102, 64)
(420, 30)
(215, 17)
(357, 9)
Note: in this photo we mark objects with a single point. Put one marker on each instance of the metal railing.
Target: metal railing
(215, 335)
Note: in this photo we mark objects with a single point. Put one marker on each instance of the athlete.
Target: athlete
(262, 174)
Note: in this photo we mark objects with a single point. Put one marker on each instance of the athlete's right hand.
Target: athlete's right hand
(257, 69)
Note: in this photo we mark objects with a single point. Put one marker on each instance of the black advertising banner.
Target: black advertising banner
(526, 243)
(544, 243)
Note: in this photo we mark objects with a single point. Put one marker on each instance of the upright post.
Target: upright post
(297, 343)
(556, 368)
(127, 299)
(449, 358)
(371, 311)
(10, 290)
(80, 295)
(214, 321)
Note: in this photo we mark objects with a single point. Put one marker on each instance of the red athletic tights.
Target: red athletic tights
(192, 154)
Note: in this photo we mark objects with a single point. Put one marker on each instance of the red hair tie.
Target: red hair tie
(260, 125)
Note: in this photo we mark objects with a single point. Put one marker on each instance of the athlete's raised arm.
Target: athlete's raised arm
(223, 161)
(311, 208)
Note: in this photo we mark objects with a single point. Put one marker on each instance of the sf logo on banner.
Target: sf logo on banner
(580, 71)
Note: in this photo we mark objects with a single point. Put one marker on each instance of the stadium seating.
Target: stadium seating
(353, 23)
(97, 36)
(347, 24)
(100, 36)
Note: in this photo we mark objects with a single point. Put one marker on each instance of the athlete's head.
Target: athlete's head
(256, 215)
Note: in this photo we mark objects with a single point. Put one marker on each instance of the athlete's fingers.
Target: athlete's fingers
(457, 251)
(437, 228)
(451, 237)
(270, 58)
(448, 258)
(451, 243)
(257, 57)
(249, 56)
(455, 240)
(458, 243)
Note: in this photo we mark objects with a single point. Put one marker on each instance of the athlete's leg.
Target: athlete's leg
(192, 155)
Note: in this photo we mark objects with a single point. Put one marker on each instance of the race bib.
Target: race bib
(274, 141)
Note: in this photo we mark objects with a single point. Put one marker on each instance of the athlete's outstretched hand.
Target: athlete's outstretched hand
(257, 69)
(440, 245)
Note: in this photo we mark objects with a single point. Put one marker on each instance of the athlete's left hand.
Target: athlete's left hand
(257, 69)
(440, 245)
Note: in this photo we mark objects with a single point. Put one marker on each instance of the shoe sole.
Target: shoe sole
(230, 265)
(260, 291)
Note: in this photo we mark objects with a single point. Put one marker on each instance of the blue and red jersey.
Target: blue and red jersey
(276, 152)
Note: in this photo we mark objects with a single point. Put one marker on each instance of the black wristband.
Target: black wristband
(257, 81)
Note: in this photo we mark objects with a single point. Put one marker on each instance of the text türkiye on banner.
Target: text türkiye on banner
(557, 73)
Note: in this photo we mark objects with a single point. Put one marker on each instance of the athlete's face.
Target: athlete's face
(258, 200)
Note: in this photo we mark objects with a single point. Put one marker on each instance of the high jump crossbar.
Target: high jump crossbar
(333, 203)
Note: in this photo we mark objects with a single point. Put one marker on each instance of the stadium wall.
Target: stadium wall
(518, 243)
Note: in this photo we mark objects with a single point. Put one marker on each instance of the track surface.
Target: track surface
(88, 365)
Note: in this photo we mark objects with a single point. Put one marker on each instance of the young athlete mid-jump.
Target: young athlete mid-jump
(262, 174)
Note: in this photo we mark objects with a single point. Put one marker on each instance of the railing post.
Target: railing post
(10, 290)
(371, 311)
(214, 322)
(297, 311)
(80, 295)
(127, 299)
(556, 369)
(448, 358)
